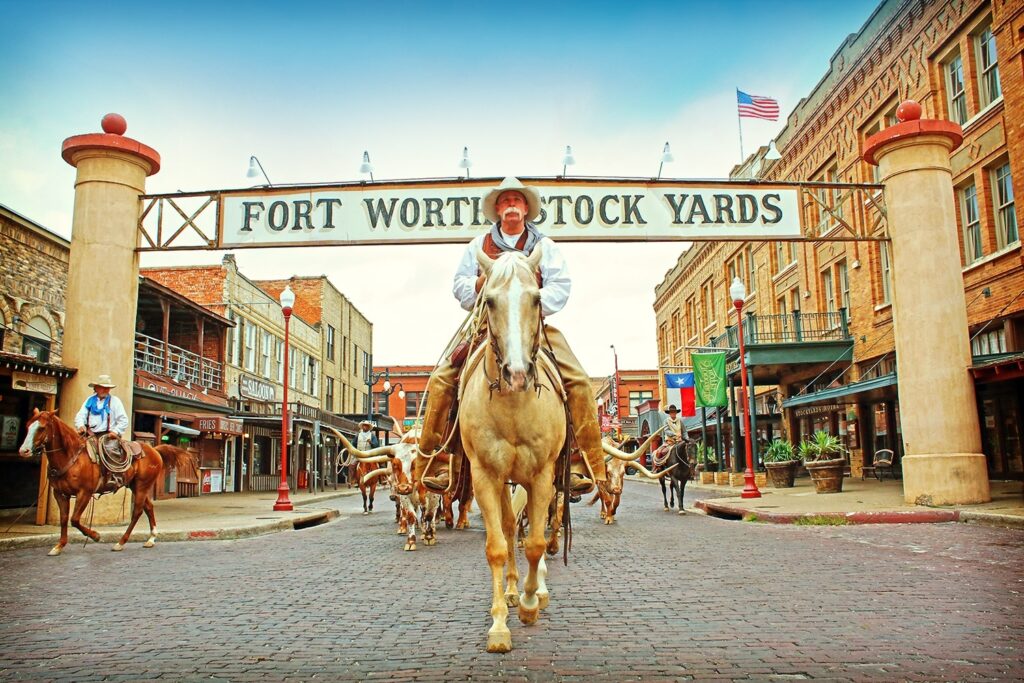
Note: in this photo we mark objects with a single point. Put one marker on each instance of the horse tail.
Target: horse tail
(597, 497)
(175, 457)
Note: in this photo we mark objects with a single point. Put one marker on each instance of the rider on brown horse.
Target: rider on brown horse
(102, 419)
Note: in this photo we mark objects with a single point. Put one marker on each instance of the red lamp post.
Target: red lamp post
(738, 293)
(283, 502)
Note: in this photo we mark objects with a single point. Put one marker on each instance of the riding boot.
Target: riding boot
(583, 409)
(441, 392)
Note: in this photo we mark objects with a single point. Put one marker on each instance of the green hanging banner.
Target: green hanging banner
(709, 378)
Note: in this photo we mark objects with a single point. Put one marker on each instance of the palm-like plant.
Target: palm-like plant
(778, 450)
(821, 446)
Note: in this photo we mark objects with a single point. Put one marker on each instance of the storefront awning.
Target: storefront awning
(998, 368)
(848, 393)
(181, 429)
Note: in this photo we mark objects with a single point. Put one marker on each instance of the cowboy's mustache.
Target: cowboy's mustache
(511, 210)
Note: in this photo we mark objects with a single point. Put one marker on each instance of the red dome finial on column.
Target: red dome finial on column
(909, 110)
(114, 124)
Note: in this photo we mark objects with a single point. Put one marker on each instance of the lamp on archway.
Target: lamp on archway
(773, 152)
(568, 159)
(738, 292)
(366, 166)
(255, 169)
(666, 157)
(465, 162)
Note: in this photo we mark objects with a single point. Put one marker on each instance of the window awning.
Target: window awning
(850, 392)
(181, 429)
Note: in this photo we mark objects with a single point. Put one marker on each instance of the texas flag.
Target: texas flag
(679, 392)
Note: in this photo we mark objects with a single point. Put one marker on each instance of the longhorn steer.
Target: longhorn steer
(610, 492)
(417, 505)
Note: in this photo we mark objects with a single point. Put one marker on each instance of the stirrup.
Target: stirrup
(578, 484)
(436, 484)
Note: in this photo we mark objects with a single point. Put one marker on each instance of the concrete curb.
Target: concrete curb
(111, 536)
(715, 509)
(991, 519)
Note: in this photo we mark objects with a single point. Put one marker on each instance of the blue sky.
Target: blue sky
(308, 86)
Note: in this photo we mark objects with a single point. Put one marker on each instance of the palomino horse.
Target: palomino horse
(512, 428)
(73, 474)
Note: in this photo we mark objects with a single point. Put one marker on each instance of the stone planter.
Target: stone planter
(722, 478)
(782, 474)
(760, 480)
(707, 477)
(735, 479)
(827, 475)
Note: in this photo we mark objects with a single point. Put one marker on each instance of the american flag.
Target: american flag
(757, 107)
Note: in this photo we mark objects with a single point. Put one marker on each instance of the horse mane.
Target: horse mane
(507, 266)
(67, 435)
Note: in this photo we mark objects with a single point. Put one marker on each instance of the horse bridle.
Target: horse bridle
(52, 473)
(493, 341)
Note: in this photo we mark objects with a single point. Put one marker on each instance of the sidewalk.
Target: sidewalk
(860, 502)
(211, 517)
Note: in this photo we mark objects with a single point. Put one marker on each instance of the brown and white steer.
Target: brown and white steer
(610, 492)
(417, 506)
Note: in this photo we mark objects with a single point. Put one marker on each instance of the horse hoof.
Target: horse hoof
(543, 600)
(410, 546)
(117, 548)
(512, 599)
(365, 512)
(150, 543)
(55, 550)
(499, 642)
(529, 616)
(682, 511)
(666, 508)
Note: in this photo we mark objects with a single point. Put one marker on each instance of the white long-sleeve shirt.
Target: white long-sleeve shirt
(554, 274)
(98, 423)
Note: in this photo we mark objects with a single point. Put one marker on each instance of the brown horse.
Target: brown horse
(73, 474)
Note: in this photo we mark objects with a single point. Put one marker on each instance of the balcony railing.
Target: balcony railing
(179, 364)
(790, 328)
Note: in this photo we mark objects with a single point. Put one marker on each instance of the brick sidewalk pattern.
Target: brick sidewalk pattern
(656, 597)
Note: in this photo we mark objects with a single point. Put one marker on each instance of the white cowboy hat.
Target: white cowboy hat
(510, 183)
(103, 381)
(365, 422)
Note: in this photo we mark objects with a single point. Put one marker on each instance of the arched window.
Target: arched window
(36, 339)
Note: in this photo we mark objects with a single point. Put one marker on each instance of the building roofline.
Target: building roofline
(35, 225)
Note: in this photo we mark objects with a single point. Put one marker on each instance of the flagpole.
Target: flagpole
(739, 122)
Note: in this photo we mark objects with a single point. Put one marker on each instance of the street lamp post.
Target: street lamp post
(738, 293)
(615, 389)
(283, 503)
(389, 389)
(371, 379)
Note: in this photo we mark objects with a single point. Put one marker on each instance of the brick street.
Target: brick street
(656, 597)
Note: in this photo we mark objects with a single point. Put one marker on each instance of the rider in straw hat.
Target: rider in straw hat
(101, 418)
(510, 207)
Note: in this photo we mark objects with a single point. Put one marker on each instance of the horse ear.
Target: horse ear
(484, 261)
(534, 258)
(35, 412)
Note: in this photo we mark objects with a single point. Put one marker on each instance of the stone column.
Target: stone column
(943, 464)
(103, 275)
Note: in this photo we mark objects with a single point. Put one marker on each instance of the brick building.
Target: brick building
(620, 412)
(254, 368)
(820, 329)
(408, 388)
(33, 278)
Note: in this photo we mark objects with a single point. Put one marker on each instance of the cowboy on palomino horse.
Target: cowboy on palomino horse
(510, 207)
(102, 420)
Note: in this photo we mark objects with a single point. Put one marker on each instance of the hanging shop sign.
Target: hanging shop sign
(602, 210)
(250, 387)
(26, 381)
(816, 410)
(219, 425)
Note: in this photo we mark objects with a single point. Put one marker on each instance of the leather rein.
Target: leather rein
(52, 473)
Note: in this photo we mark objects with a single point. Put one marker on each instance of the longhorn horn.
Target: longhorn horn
(366, 456)
(651, 475)
(370, 476)
(616, 453)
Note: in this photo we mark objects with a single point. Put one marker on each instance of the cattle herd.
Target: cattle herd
(417, 508)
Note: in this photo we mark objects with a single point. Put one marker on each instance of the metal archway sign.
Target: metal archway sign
(573, 209)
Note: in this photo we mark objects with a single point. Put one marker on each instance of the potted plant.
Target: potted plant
(823, 458)
(706, 463)
(781, 463)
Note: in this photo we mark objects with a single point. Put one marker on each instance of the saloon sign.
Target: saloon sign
(447, 212)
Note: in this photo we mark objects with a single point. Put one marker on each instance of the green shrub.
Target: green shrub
(778, 450)
(821, 446)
